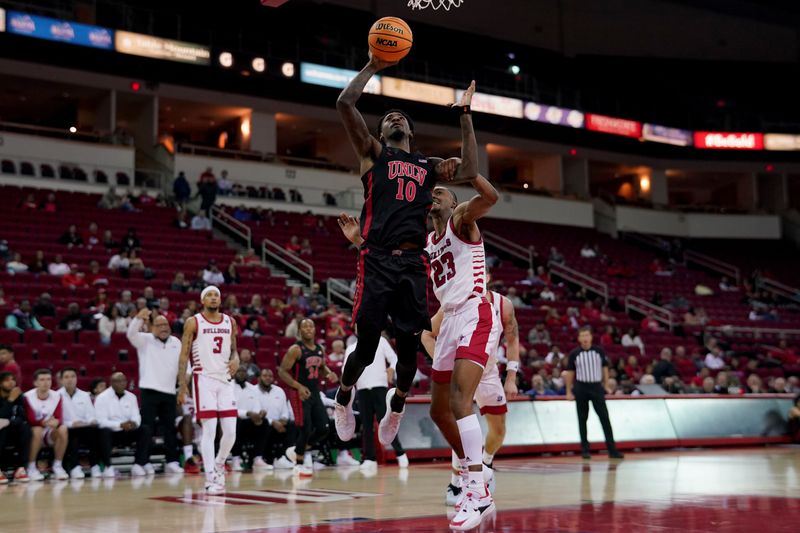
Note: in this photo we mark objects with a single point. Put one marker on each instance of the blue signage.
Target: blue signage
(59, 30)
(335, 77)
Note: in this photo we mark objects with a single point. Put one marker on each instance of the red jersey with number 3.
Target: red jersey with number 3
(397, 198)
(211, 348)
(458, 267)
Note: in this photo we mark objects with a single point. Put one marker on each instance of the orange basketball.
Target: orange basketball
(390, 39)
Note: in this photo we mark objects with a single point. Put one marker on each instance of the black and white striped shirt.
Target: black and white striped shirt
(587, 364)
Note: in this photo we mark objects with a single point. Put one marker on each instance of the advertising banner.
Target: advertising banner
(715, 140)
(558, 116)
(780, 141)
(613, 125)
(337, 78)
(419, 92)
(495, 105)
(2, 19)
(58, 30)
(662, 134)
(138, 44)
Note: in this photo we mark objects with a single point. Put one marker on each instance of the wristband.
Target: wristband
(512, 366)
(464, 109)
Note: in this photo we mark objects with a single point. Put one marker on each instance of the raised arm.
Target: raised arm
(511, 333)
(134, 333)
(468, 169)
(189, 329)
(366, 146)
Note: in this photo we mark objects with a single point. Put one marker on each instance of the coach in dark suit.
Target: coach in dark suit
(587, 370)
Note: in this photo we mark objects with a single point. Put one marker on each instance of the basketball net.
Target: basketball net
(435, 4)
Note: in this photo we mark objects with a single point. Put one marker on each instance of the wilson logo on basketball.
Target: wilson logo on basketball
(386, 42)
(389, 27)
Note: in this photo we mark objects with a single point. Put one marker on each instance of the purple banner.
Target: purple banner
(662, 134)
(554, 115)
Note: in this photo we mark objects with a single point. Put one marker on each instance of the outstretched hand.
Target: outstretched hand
(351, 227)
(446, 170)
(466, 98)
(380, 64)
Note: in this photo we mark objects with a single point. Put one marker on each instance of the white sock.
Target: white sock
(188, 452)
(455, 479)
(308, 459)
(207, 446)
(228, 439)
(32, 465)
(56, 464)
(488, 457)
(472, 442)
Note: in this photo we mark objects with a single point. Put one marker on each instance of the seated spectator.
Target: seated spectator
(95, 277)
(256, 307)
(251, 426)
(249, 258)
(277, 310)
(14, 429)
(315, 295)
(538, 334)
(755, 385)
(112, 322)
(609, 337)
(49, 205)
(74, 280)
(619, 269)
(130, 241)
(555, 256)
(29, 203)
(292, 330)
(16, 266)
(45, 416)
(22, 319)
(703, 290)
(726, 286)
(589, 313)
(553, 319)
(182, 219)
(547, 294)
(649, 323)
(231, 305)
(164, 310)
(8, 364)
(784, 353)
(538, 388)
(224, 184)
(778, 386)
(297, 298)
(554, 356)
(110, 200)
(588, 252)
(242, 214)
(126, 304)
(329, 199)
(39, 265)
(659, 269)
(273, 400)
(149, 295)
(295, 196)
(81, 423)
(119, 420)
(252, 328)
(337, 354)
(96, 387)
(321, 230)
(246, 362)
(93, 236)
(199, 282)
(278, 194)
(71, 237)
(335, 321)
(723, 384)
(212, 275)
(200, 222)
(136, 261)
(714, 360)
(632, 338)
(664, 368)
(109, 243)
(293, 245)
(633, 369)
(75, 320)
(179, 283)
(231, 276)
(516, 301)
(58, 267)
(305, 248)
(120, 263)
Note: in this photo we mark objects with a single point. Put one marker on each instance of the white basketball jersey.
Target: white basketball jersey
(496, 300)
(211, 348)
(458, 267)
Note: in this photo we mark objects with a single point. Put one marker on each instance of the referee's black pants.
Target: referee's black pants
(371, 406)
(161, 405)
(593, 392)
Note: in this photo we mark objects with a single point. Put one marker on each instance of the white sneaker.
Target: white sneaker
(173, 468)
(344, 419)
(260, 464)
(138, 470)
(472, 511)
(291, 453)
(219, 476)
(35, 475)
(453, 495)
(150, 469)
(390, 424)
(214, 488)
(236, 465)
(283, 463)
(345, 459)
(316, 465)
(60, 473)
(369, 465)
(488, 477)
(303, 471)
(402, 461)
(96, 472)
(77, 473)
(109, 472)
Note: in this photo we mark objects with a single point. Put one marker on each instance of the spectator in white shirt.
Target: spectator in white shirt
(201, 222)
(224, 185)
(588, 252)
(119, 421)
(631, 338)
(58, 267)
(158, 353)
(16, 266)
(714, 360)
(81, 423)
(338, 354)
(112, 322)
(251, 426)
(280, 430)
(554, 356)
(43, 408)
(547, 294)
(371, 390)
(120, 263)
(212, 275)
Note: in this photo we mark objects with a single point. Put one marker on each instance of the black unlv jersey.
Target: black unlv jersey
(306, 369)
(397, 198)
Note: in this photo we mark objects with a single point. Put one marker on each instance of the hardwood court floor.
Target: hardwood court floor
(740, 490)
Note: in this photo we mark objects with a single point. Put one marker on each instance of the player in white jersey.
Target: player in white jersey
(210, 336)
(491, 393)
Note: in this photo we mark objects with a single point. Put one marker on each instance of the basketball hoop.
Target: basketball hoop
(435, 4)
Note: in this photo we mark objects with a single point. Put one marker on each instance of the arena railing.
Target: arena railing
(248, 155)
(58, 133)
(661, 314)
(584, 280)
(239, 229)
(303, 269)
(755, 331)
(721, 267)
(779, 289)
(339, 290)
(512, 248)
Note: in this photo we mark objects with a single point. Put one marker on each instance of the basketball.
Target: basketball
(390, 39)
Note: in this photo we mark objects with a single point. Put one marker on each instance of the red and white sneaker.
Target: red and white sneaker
(344, 419)
(473, 510)
(3, 479)
(21, 475)
(390, 423)
(191, 466)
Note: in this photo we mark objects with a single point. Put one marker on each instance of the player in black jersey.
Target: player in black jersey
(393, 265)
(302, 368)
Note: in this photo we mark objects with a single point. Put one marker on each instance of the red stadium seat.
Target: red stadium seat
(9, 336)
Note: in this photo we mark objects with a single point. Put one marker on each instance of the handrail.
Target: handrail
(778, 288)
(755, 330)
(661, 314)
(647, 240)
(584, 280)
(237, 227)
(726, 269)
(510, 247)
(288, 259)
(339, 290)
(269, 157)
(45, 131)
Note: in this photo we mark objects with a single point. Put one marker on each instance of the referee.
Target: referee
(588, 363)
(158, 354)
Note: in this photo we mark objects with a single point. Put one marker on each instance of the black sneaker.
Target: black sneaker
(586, 454)
(616, 454)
